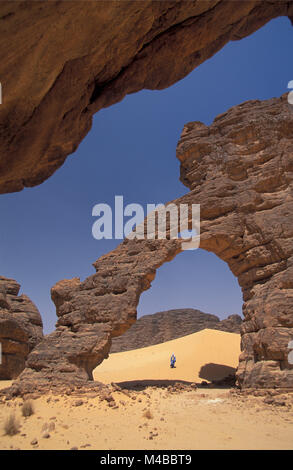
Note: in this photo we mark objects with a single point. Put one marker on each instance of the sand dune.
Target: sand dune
(205, 355)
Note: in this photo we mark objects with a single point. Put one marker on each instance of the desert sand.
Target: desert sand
(208, 354)
(202, 418)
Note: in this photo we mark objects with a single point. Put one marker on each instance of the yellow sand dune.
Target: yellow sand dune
(206, 355)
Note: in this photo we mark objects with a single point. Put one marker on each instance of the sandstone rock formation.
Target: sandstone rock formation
(171, 324)
(21, 328)
(91, 313)
(240, 170)
(61, 61)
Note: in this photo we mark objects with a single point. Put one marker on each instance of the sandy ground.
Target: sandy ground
(189, 419)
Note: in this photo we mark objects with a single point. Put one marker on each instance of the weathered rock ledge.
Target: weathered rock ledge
(62, 61)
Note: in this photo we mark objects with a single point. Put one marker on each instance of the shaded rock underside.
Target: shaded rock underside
(61, 61)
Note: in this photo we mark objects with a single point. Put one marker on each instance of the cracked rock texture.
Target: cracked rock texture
(171, 324)
(91, 313)
(21, 328)
(240, 170)
(61, 61)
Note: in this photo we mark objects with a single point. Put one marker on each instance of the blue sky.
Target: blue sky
(45, 232)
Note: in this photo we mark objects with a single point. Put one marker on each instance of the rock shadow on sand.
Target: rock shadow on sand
(213, 372)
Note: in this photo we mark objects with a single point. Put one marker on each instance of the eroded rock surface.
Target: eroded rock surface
(21, 328)
(171, 324)
(91, 313)
(240, 170)
(61, 61)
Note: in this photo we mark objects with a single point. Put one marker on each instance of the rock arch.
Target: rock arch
(240, 170)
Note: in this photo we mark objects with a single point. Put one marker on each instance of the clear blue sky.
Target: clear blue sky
(45, 233)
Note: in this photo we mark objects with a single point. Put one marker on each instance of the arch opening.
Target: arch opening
(243, 222)
(197, 316)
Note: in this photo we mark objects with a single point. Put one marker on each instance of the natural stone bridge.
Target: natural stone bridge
(240, 171)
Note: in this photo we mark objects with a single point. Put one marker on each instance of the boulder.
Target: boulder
(21, 328)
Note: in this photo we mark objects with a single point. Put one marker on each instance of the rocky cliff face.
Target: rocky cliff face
(61, 61)
(240, 170)
(171, 324)
(21, 328)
